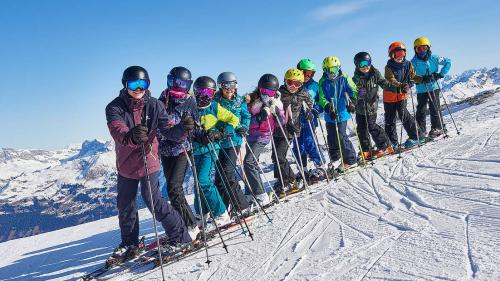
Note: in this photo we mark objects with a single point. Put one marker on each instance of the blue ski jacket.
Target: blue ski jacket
(238, 107)
(428, 67)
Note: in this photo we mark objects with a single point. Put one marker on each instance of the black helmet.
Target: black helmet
(134, 73)
(269, 81)
(204, 82)
(180, 72)
(361, 56)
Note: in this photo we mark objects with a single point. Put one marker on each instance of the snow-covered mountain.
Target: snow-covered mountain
(43, 190)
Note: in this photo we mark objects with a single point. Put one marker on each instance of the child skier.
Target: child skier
(334, 88)
(307, 144)
(210, 112)
(133, 119)
(263, 104)
(181, 107)
(227, 97)
(400, 73)
(368, 79)
(427, 65)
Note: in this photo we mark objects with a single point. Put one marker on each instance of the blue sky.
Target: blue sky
(62, 60)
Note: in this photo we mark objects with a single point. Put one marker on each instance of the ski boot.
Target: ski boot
(278, 189)
(124, 253)
(383, 152)
(434, 133)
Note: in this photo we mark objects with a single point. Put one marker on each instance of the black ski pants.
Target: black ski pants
(432, 101)
(286, 170)
(251, 167)
(399, 108)
(227, 184)
(128, 216)
(174, 169)
(366, 126)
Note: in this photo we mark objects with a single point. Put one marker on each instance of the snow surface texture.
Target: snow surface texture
(432, 215)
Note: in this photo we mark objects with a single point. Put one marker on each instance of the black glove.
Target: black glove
(216, 135)
(264, 113)
(309, 115)
(291, 129)
(138, 135)
(351, 106)
(187, 122)
(437, 76)
(404, 88)
(427, 79)
(242, 131)
(331, 110)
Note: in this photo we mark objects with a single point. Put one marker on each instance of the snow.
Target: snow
(432, 215)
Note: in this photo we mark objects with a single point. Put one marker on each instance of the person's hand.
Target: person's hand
(242, 131)
(331, 110)
(351, 107)
(187, 122)
(309, 115)
(437, 76)
(427, 79)
(138, 134)
(291, 129)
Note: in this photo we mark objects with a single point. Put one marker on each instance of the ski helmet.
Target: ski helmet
(227, 77)
(180, 72)
(269, 81)
(422, 41)
(331, 61)
(362, 56)
(294, 74)
(306, 64)
(134, 73)
(204, 88)
(396, 46)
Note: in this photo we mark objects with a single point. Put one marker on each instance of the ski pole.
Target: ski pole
(316, 143)
(146, 168)
(438, 110)
(447, 108)
(273, 143)
(338, 137)
(261, 170)
(324, 138)
(363, 85)
(230, 193)
(250, 188)
(198, 191)
(417, 128)
(348, 100)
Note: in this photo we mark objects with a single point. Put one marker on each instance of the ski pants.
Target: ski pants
(432, 100)
(227, 184)
(286, 170)
(399, 108)
(128, 216)
(251, 167)
(307, 147)
(174, 169)
(205, 168)
(348, 152)
(366, 126)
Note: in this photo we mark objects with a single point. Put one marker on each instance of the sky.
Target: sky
(62, 60)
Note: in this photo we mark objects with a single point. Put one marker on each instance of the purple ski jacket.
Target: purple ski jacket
(124, 113)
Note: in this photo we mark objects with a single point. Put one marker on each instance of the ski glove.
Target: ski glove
(427, 79)
(291, 129)
(187, 122)
(138, 135)
(351, 106)
(242, 131)
(264, 113)
(309, 114)
(405, 88)
(331, 110)
(437, 76)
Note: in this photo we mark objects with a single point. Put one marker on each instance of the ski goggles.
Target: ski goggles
(137, 84)
(205, 92)
(267, 92)
(364, 63)
(179, 83)
(421, 48)
(334, 69)
(229, 85)
(293, 83)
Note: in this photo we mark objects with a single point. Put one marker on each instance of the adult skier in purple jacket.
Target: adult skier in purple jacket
(133, 120)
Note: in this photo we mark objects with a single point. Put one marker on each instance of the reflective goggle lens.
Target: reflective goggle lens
(182, 84)
(205, 92)
(229, 85)
(421, 48)
(293, 83)
(137, 84)
(267, 92)
(334, 69)
(364, 63)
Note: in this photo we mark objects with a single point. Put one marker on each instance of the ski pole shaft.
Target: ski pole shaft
(438, 110)
(277, 163)
(447, 107)
(348, 100)
(338, 137)
(417, 128)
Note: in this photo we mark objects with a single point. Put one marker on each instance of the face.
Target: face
(399, 55)
(308, 75)
(365, 69)
(137, 94)
(293, 86)
(228, 93)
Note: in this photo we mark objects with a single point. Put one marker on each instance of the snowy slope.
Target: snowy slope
(432, 215)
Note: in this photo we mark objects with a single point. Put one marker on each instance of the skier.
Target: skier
(427, 65)
(368, 79)
(293, 95)
(334, 84)
(227, 97)
(210, 112)
(401, 74)
(133, 119)
(307, 145)
(181, 108)
(264, 101)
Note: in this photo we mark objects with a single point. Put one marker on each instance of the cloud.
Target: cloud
(338, 9)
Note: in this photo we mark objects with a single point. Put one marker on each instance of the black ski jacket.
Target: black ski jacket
(369, 81)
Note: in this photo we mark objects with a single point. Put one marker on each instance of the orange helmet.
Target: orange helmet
(395, 46)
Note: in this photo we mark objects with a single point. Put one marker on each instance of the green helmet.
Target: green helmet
(306, 64)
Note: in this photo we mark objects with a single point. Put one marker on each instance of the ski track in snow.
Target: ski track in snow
(434, 214)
